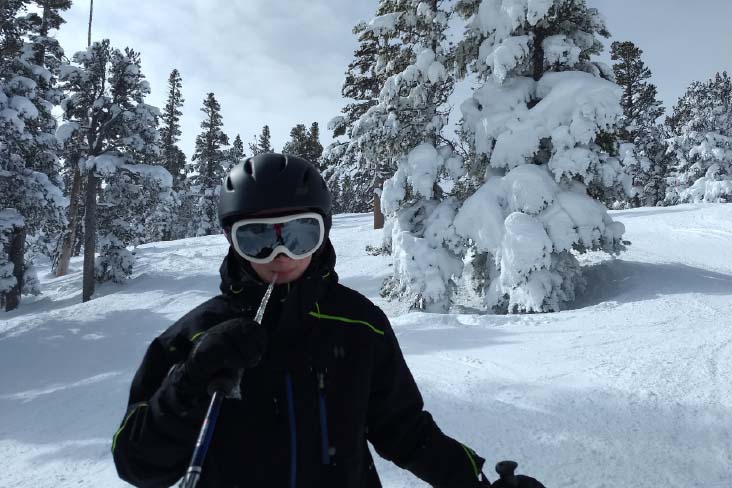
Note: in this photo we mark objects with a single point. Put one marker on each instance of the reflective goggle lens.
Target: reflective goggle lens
(257, 239)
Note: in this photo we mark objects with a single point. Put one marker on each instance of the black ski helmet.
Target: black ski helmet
(270, 181)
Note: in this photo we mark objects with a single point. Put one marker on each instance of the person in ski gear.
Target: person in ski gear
(322, 375)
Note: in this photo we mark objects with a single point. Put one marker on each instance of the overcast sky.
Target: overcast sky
(282, 62)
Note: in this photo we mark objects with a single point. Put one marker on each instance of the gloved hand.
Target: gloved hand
(508, 479)
(219, 354)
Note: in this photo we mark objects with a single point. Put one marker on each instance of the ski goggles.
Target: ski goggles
(260, 240)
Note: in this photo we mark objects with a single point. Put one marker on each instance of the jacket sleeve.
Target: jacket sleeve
(404, 433)
(154, 443)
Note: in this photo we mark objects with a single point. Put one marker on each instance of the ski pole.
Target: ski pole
(220, 390)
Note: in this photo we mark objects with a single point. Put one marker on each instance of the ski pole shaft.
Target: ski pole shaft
(193, 474)
(204, 440)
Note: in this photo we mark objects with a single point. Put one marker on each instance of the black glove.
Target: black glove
(509, 480)
(218, 355)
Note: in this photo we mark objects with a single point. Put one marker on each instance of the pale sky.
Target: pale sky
(282, 62)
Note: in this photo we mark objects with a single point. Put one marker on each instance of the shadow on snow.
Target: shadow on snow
(632, 281)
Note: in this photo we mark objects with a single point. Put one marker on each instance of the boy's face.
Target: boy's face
(286, 268)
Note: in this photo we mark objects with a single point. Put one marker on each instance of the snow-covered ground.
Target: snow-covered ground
(631, 387)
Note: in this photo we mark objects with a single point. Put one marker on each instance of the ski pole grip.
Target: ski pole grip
(505, 470)
(224, 385)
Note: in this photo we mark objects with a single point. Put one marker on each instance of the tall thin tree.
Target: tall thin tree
(236, 153)
(641, 109)
(90, 211)
(170, 131)
(262, 143)
(209, 162)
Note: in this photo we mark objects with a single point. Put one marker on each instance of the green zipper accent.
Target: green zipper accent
(472, 461)
(197, 335)
(344, 319)
(124, 424)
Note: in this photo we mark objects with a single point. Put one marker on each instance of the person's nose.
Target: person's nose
(281, 256)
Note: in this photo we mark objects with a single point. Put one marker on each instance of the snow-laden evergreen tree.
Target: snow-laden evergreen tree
(380, 54)
(136, 209)
(538, 127)
(262, 143)
(350, 183)
(173, 158)
(29, 189)
(108, 129)
(12, 240)
(641, 109)
(701, 143)
(236, 153)
(209, 164)
(402, 132)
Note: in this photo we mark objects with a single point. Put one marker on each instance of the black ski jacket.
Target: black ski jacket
(333, 378)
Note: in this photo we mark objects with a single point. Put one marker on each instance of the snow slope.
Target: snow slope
(631, 387)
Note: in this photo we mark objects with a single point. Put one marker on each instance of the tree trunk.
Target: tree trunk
(16, 251)
(538, 59)
(91, 11)
(378, 215)
(40, 53)
(378, 182)
(70, 237)
(90, 233)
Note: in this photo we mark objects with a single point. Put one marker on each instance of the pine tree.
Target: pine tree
(402, 135)
(298, 143)
(352, 179)
(541, 131)
(29, 64)
(172, 157)
(236, 153)
(315, 148)
(638, 126)
(701, 143)
(305, 143)
(210, 162)
(108, 129)
(379, 55)
(262, 144)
